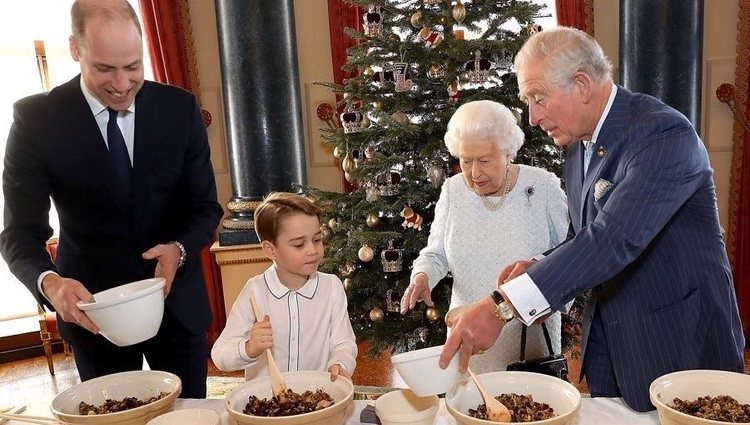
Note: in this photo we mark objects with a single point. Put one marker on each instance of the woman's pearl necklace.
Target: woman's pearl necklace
(494, 206)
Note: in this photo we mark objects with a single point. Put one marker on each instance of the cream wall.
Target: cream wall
(719, 57)
(313, 46)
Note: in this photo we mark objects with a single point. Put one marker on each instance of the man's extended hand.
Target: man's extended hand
(475, 329)
(168, 259)
(64, 293)
(513, 270)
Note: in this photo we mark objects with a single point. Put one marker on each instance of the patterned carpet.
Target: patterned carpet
(220, 386)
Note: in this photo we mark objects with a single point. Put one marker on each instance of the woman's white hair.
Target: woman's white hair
(484, 120)
(565, 51)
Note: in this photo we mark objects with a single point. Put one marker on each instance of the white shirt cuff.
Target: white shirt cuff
(526, 298)
(538, 257)
(39, 282)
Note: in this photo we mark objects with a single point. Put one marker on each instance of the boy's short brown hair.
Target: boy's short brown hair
(275, 207)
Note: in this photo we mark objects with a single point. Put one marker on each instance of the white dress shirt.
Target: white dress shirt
(311, 327)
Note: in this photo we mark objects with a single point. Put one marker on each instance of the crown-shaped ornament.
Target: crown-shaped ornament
(351, 120)
(372, 21)
(392, 258)
(478, 70)
(389, 183)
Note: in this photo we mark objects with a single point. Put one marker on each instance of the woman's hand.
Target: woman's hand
(261, 338)
(418, 290)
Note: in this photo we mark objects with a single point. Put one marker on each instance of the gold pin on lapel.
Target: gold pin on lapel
(601, 151)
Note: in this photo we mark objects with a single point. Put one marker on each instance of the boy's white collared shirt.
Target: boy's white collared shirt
(311, 327)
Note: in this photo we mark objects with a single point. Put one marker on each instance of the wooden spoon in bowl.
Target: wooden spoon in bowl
(496, 411)
(277, 381)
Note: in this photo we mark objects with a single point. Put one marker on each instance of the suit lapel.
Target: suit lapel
(143, 151)
(84, 126)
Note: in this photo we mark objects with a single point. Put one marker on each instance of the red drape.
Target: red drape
(170, 43)
(738, 234)
(576, 13)
(166, 26)
(340, 16)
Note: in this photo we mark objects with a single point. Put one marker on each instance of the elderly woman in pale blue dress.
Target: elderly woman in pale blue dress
(493, 213)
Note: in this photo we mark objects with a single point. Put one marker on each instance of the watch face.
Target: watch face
(506, 312)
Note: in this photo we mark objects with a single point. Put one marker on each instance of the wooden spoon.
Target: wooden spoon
(277, 381)
(496, 411)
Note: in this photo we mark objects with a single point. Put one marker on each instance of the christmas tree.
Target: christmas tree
(416, 61)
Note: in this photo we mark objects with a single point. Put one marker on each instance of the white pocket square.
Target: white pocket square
(601, 188)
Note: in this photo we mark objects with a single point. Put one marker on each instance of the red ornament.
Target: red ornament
(725, 93)
(207, 118)
(324, 111)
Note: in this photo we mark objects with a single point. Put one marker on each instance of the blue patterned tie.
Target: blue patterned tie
(587, 157)
(119, 153)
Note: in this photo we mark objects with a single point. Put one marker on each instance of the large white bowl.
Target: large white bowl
(563, 397)
(141, 384)
(405, 407)
(130, 313)
(420, 369)
(691, 384)
(187, 417)
(341, 390)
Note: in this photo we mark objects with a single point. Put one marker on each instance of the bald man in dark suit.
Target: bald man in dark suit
(127, 164)
(644, 232)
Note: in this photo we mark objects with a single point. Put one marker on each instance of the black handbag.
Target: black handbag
(554, 365)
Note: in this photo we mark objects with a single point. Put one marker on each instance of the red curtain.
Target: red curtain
(576, 13)
(170, 43)
(738, 234)
(166, 26)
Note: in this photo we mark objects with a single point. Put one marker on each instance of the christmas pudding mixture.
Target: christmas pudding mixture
(112, 406)
(721, 408)
(288, 403)
(522, 408)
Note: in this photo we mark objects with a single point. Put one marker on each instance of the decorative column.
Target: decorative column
(661, 52)
(260, 78)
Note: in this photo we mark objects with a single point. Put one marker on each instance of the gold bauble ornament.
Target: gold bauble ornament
(333, 224)
(368, 72)
(416, 19)
(338, 152)
(347, 283)
(366, 253)
(373, 220)
(400, 117)
(394, 37)
(459, 12)
(349, 177)
(376, 314)
(432, 314)
(347, 164)
(365, 122)
(377, 106)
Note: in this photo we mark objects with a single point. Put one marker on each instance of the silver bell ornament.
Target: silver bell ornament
(436, 174)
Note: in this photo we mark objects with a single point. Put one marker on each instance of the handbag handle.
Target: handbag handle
(546, 338)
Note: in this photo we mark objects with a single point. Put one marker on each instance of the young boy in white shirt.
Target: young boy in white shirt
(305, 320)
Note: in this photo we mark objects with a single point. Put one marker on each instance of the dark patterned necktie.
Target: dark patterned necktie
(119, 152)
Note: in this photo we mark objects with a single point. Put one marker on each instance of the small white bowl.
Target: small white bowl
(420, 369)
(405, 407)
(187, 417)
(691, 384)
(559, 394)
(141, 384)
(130, 313)
(341, 390)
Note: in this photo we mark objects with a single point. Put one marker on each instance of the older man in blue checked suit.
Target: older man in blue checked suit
(644, 232)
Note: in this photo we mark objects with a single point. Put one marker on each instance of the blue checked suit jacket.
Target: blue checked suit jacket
(651, 246)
